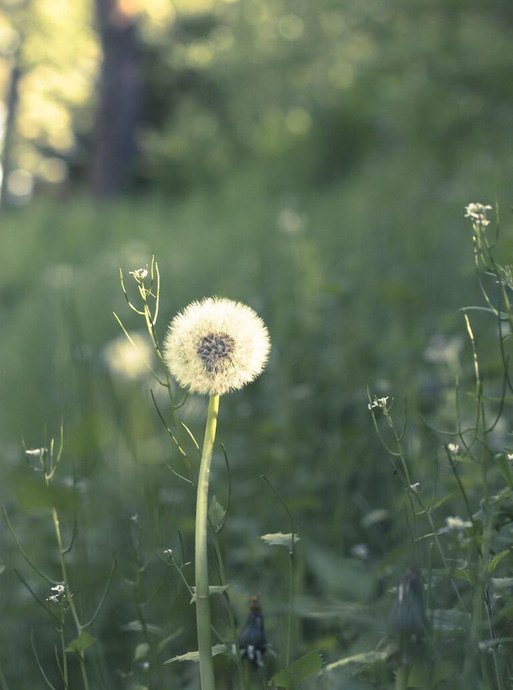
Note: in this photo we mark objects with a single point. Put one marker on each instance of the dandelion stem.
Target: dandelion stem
(201, 567)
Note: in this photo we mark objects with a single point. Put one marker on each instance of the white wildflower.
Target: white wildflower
(36, 452)
(360, 551)
(416, 487)
(478, 213)
(139, 274)
(215, 346)
(129, 359)
(456, 523)
(378, 403)
(453, 448)
(58, 590)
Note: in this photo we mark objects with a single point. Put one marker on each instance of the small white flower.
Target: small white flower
(215, 346)
(453, 448)
(456, 523)
(478, 213)
(57, 590)
(416, 487)
(378, 402)
(129, 359)
(139, 274)
(360, 551)
(36, 452)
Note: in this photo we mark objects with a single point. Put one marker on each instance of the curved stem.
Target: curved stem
(201, 567)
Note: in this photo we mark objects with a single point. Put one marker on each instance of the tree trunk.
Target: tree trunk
(6, 145)
(121, 86)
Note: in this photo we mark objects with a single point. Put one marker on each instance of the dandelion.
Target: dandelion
(477, 212)
(216, 346)
(213, 347)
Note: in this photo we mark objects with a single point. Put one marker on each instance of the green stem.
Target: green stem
(401, 678)
(231, 619)
(69, 596)
(201, 573)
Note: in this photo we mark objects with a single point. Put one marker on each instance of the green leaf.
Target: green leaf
(301, 669)
(136, 626)
(494, 562)
(163, 643)
(279, 539)
(83, 641)
(216, 514)
(502, 584)
(368, 658)
(424, 674)
(213, 589)
(505, 469)
(194, 656)
(141, 651)
(33, 495)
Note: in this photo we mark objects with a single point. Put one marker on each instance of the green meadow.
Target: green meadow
(361, 285)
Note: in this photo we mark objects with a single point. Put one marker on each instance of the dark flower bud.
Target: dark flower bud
(252, 642)
(408, 620)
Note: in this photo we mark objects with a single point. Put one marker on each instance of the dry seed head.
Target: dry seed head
(215, 346)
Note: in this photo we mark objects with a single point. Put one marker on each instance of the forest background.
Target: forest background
(311, 159)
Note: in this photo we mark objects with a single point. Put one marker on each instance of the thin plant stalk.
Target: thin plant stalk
(69, 596)
(288, 654)
(401, 678)
(229, 611)
(201, 554)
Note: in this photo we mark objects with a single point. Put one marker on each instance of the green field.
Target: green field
(360, 285)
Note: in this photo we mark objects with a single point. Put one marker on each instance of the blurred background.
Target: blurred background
(312, 159)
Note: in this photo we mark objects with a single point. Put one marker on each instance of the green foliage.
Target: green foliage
(80, 643)
(303, 668)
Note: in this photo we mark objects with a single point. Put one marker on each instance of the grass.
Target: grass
(355, 283)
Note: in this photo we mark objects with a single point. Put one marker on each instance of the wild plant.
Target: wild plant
(450, 624)
(70, 628)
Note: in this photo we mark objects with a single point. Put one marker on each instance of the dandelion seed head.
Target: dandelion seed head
(215, 346)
